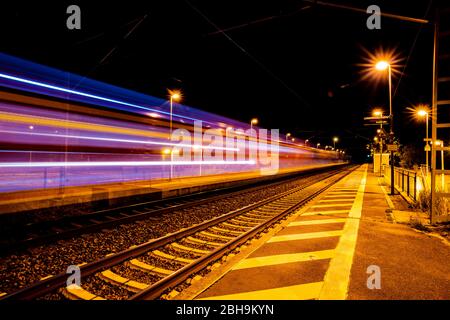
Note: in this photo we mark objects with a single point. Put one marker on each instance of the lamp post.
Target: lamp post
(379, 113)
(287, 136)
(335, 139)
(254, 121)
(381, 66)
(424, 113)
(174, 96)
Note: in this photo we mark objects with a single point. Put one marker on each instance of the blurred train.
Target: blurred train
(58, 129)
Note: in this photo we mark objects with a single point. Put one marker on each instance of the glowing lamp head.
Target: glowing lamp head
(335, 139)
(422, 113)
(377, 113)
(166, 151)
(382, 65)
(175, 95)
(254, 121)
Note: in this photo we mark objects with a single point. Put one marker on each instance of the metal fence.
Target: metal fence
(405, 181)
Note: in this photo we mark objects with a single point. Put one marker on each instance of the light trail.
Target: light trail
(194, 146)
(120, 163)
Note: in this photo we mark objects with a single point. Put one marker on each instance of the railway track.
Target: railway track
(35, 234)
(149, 270)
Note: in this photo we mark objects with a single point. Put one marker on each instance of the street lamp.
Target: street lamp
(174, 96)
(379, 113)
(287, 136)
(423, 113)
(335, 139)
(254, 121)
(382, 66)
(318, 145)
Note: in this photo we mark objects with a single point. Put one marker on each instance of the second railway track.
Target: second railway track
(148, 270)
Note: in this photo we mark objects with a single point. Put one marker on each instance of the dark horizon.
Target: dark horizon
(294, 68)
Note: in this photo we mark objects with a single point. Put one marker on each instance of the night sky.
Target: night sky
(293, 67)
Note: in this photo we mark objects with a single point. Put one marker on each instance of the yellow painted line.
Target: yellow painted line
(147, 267)
(180, 246)
(200, 241)
(115, 278)
(307, 235)
(213, 235)
(76, 292)
(314, 222)
(3, 294)
(170, 257)
(326, 212)
(305, 291)
(283, 258)
(332, 205)
(337, 278)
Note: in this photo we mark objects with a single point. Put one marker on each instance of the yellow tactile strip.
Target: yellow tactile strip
(297, 292)
(283, 258)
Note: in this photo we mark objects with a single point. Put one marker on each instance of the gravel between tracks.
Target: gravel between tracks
(23, 268)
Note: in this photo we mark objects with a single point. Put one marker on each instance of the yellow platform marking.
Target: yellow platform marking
(170, 257)
(181, 247)
(200, 241)
(332, 205)
(76, 292)
(283, 258)
(308, 235)
(115, 278)
(337, 278)
(298, 292)
(147, 267)
(213, 235)
(326, 212)
(3, 294)
(315, 222)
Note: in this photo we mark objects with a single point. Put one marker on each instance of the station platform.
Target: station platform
(329, 249)
(118, 193)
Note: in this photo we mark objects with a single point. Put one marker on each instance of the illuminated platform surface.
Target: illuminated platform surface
(324, 250)
(155, 189)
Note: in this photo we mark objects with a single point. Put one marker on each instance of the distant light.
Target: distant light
(377, 113)
(31, 127)
(335, 139)
(254, 121)
(382, 65)
(153, 115)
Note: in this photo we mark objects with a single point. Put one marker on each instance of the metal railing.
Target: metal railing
(405, 181)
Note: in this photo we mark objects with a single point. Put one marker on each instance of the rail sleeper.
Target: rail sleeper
(170, 257)
(132, 285)
(75, 292)
(180, 246)
(147, 267)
